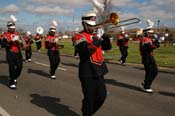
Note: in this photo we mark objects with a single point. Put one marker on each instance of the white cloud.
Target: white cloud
(10, 9)
(123, 3)
(49, 10)
(59, 2)
(148, 9)
(53, 7)
(163, 2)
(153, 9)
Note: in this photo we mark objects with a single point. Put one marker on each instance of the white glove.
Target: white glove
(100, 32)
(161, 39)
(15, 37)
(126, 35)
(155, 36)
(56, 40)
(166, 34)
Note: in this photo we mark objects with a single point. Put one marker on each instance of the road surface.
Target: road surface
(38, 95)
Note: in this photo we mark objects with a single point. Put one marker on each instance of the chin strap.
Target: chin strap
(86, 28)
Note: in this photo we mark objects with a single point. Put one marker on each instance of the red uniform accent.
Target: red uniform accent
(38, 38)
(28, 40)
(148, 40)
(96, 57)
(15, 47)
(53, 45)
(125, 41)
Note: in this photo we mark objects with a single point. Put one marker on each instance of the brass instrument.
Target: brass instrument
(56, 41)
(127, 22)
(114, 19)
(39, 30)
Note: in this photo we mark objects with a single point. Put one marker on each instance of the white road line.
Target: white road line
(41, 64)
(3, 112)
(63, 69)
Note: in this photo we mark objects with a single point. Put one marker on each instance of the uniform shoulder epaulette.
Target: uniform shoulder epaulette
(78, 38)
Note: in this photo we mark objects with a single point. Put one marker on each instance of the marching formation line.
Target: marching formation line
(3, 112)
(63, 69)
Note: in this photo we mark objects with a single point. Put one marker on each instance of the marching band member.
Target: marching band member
(92, 67)
(38, 41)
(1, 35)
(122, 42)
(28, 49)
(51, 43)
(147, 45)
(73, 34)
(2, 40)
(13, 53)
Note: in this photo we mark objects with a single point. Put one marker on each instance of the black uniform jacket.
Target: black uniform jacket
(91, 63)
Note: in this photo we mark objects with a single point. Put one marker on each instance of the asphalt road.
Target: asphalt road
(38, 95)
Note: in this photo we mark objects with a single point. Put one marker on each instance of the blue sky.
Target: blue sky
(33, 13)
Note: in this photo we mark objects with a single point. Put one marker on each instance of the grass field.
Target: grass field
(165, 56)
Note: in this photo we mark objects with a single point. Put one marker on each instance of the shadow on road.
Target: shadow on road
(3, 62)
(52, 105)
(120, 84)
(69, 64)
(162, 71)
(4, 80)
(38, 72)
(167, 94)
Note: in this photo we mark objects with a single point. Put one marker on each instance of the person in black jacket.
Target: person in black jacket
(52, 46)
(147, 45)
(13, 44)
(122, 42)
(28, 48)
(92, 67)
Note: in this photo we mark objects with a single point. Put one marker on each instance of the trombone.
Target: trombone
(114, 19)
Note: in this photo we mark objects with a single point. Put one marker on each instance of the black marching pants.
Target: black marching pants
(94, 91)
(124, 53)
(75, 52)
(28, 52)
(151, 71)
(54, 58)
(38, 45)
(15, 63)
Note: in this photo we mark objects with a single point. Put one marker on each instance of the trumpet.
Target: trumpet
(114, 19)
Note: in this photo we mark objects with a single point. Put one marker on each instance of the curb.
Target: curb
(161, 69)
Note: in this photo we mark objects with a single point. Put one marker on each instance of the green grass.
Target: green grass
(164, 56)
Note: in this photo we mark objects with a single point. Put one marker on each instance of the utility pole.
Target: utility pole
(158, 22)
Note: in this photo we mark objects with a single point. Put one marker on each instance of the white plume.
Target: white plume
(122, 28)
(150, 23)
(97, 6)
(13, 18)
(55, 23)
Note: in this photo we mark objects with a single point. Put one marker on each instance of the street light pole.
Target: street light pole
(158, 22)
